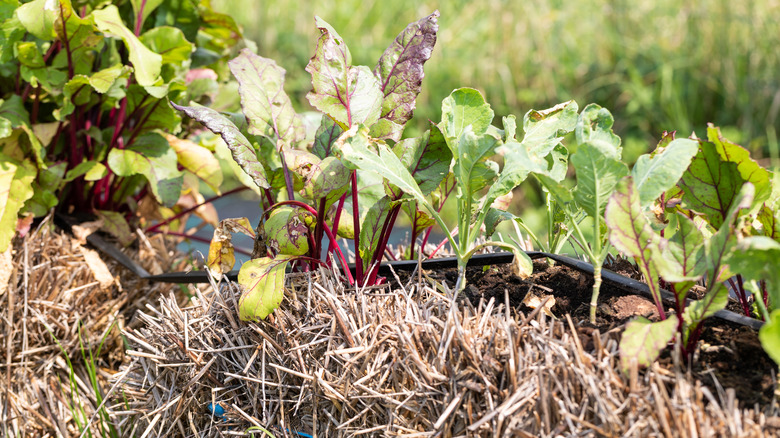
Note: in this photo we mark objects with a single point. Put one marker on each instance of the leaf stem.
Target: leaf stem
(156, 226)
(356, 223)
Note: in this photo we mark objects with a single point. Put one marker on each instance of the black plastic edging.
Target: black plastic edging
(617, 280)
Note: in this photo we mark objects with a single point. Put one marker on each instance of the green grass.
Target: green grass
(660, 65)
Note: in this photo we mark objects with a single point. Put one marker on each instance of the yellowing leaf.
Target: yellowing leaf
(263, 282)
(197, 160)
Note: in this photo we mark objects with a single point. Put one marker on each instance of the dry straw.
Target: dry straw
(411, 361)
(59, 303)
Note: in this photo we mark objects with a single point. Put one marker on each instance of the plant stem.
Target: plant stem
(156, 226)
(139, 19)
(356, 224)
(197, 239)
(595, 294)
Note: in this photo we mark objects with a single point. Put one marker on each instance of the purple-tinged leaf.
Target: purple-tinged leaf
(115, 224)
(643, 341)
(400, 70)
(348, 94)
(710, 184)
(327, 134)
(371, 228)
(266, 106)
(287, 231)
(242, 150)
(684, 255)
(263, 282)
(631, 234)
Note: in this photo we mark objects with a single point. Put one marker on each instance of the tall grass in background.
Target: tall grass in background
(657, 65)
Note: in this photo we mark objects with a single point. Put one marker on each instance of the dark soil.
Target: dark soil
(731, 353)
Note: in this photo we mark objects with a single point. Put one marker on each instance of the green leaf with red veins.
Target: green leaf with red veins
(685, 257)
(151, 156)
(655, 174)
(242, 150)
(349, 94)
(327, 134)
(749, 169)
(222, 258)
(371, 228)
(328, 178)
(287, 231)
(428, 159)
(400, 71)
(643, 341)
(421, 220)
(710, 184)
(631, 234)
(720, 246)
(266, 106)
(263, 282)
(115, 224)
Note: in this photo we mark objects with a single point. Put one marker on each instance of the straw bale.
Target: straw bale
(412, 362)
(58, 296)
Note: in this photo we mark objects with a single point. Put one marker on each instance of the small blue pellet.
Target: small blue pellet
(217, 410)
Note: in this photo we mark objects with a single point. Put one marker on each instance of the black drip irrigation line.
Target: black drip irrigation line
(386, 269)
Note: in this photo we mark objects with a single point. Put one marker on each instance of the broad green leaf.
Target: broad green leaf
(181, 14)
(420, 219)
(170, 43)
(710, 184)
(15, 189)
(11, 31)
(684, 256)
(146, 7)
(750, 170)
(13, 110)
(38, 17)
(267, 107)
(428, 158)
(287, 231)
(46, 188)
(494, 217)
(543, 132)
(698, 310)
(561, 192)
(594, 126)
(769, 335)
(27, 54)
(462, 108)
(755, 258)
(400, 70)
(326, 178)
(631, 233)
(719, 247)
(197, 160)
(115, 224)
(385, 163)
(327, 134)
(657, 173)
(643, 341)
(150, 156)
(350, 95)
(263, 282)
(770, 220)
(146, 63)
(91, 170)
(157, 114)
(371, 228)
(243, 151)
(471, 154)
(597, 176)
(222, 256)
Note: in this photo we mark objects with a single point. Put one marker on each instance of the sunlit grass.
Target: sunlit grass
(660, 65)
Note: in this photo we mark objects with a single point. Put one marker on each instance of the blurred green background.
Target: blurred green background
(657, 65)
